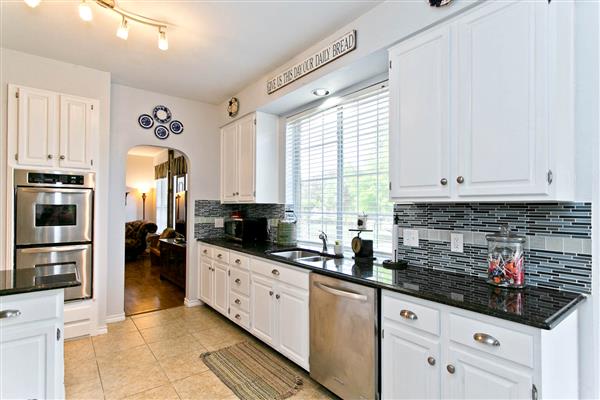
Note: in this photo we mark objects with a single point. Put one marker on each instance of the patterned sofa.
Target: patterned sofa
(135, 237)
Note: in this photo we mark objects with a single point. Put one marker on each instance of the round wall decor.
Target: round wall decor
(161, 114)
(439, 3)
(233, 107)
(176, 127)
(161, 132)
(145, 121)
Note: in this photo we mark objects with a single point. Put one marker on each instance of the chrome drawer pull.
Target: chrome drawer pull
(275, 272)
(220, 255)
(238, 261)
(205, 251)
(270, 293)
(484, 338)
(407, 314)
(238, 281)
(431, 360)
(277, 296)
(238, 316)
(450, 368)
(9, 314)
(237, 301)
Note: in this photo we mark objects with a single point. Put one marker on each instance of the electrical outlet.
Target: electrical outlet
(411, 237)
(219, 222)
(456, 242)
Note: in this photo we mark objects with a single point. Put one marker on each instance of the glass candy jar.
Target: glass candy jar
(506, 257)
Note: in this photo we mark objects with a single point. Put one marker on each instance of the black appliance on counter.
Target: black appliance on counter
(246, 230)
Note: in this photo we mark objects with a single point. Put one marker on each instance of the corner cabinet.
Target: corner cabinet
(250, 160)
(434, 351)
(52, 130)
(484, 113)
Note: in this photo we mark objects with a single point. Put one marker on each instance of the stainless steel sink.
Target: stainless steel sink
(301, 255)
(320, 258)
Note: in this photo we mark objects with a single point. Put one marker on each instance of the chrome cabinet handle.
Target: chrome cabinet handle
(460, 179)
(238, 316)
(277, 296)
(484, 338)
(9, 314)
(237, 301)
(450, 368)
(49, 156)
(238, 261)
(270, 293)
(238, 281)
(233, 194)
(237, 193)
(275, 272)
(444, 181)
(407, 314)
(205, 251)
(219, 255)
(431, 360)
(62, 157)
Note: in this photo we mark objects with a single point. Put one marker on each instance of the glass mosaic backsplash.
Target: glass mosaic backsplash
(558, 249)
(205, 212)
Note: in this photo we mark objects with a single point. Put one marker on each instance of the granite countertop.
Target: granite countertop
(16, 281)
(538, 307)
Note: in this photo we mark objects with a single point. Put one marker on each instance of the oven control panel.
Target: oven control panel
(53, 179)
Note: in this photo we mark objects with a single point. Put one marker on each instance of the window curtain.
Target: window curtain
(178, 167)
(161, 170)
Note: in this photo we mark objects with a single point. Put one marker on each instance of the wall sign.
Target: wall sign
(162, 115)
(338, 48)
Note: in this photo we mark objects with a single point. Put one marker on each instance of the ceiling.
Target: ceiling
(146, 151)
(216, 47)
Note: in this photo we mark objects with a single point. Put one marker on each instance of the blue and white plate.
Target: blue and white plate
(161, 114)
(161, 132)
(176, 127)
(145, 121)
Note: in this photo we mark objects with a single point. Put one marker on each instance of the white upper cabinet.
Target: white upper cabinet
(53, 130)
(482, 106)
(250, 160)
(419, 149)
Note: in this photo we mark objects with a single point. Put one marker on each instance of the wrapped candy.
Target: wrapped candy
(506, 256)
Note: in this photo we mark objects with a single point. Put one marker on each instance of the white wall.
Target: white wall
(139, 174)
(199, 142)
(44, 73)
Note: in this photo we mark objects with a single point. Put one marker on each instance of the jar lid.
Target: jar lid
(506, 236)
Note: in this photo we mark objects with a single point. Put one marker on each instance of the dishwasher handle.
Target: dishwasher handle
(341, 293)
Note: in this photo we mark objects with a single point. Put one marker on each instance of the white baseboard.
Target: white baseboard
(192, 303)
(115, 318)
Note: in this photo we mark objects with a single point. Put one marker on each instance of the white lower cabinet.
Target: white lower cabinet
(293, 316)
(31, 346)
(433, 351)
(206, 280)
(263, 309)
(221, 302)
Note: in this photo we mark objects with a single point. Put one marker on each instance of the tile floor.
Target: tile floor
(156, 356)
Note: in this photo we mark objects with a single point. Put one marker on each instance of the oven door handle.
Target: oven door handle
(33, 250)
(54, 190)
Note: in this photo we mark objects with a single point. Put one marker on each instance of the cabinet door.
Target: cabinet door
(407, 370)
(263, 313)
(221, 292)
(293, 323)
(419, 116)
(77, 127)
(229, 163)
(246, 157)
(37, 127)
(31, 361)
(502, 92)
(481, 377)
(206, 280)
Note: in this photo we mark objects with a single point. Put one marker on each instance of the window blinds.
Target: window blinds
(337, 168)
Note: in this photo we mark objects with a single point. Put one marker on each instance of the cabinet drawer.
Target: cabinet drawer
(239, 281)
(412, 314)
(221, 255)
(239, 301)
(205, 250)
(239, 317)
(501, 342)
(32, 307)
(238, 260)
(280, 273)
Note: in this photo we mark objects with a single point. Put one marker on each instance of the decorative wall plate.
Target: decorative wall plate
(233, 107)
(145, 121)
(439, 3)
(161, 114)
(161, 132)
(176, 127)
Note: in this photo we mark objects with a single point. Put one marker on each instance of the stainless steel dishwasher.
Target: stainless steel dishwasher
(344, 353)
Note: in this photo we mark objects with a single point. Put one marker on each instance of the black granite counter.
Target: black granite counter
(16, 281)
(537, 307)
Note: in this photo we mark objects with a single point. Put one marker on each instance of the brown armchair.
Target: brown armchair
(135, 238)
(154, 245)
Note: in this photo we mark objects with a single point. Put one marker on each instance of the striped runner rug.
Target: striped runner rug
(252, 373)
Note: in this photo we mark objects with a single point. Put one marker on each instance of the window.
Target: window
(337, 168)
(161, 203)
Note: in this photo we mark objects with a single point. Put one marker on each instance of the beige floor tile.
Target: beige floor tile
(153, 319)
(182, 365)
(201, 324)
(216, 338)
(114, 363)
(79, 349)
(134, 380)
(189, 312)
(90, 390)
(115, 342)
(148, 314)
(126, 325)
(311, 393)
(203, 386)
(165, 392)
(179, 345)
(171, 330)
(81, 371)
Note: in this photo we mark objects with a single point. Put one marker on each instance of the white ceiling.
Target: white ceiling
(146, 151)
(216, 47)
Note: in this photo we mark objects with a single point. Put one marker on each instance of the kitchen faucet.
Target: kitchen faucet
(323, 237)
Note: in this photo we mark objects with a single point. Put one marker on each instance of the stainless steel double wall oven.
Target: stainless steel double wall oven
(54, 214)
